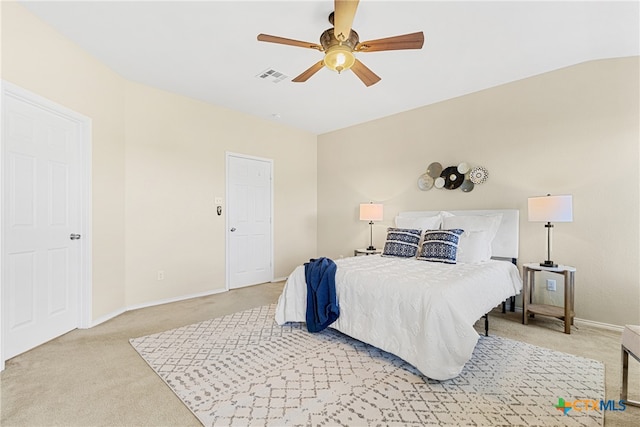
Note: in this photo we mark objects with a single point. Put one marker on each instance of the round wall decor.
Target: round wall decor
(434, 170)
(462, 176)
(452, 178)
(467, 186)
(478, 175)
(425, 182)
(463, 168)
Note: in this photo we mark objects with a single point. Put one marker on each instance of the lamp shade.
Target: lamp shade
(371, 212)
(551, 208)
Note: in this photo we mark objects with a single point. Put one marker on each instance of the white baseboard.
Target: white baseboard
(118, 312)
(105, 318)
(176, 299)
(600, 325)
(279, 279)
(592, 323)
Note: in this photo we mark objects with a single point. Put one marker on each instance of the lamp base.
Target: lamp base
(371, 248)
(548, 263)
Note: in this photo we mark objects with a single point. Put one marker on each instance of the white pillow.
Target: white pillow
(474, 247)
(419, 223)
(475, 242)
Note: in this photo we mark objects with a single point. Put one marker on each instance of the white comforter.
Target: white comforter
(421, 311)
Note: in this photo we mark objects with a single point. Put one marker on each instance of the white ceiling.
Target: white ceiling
(208, 49)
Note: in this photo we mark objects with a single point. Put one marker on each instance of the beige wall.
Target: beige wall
(175, 163)
(571, 131)
(158, 163)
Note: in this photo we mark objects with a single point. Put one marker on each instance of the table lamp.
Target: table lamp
(371, 212)
(550, 209)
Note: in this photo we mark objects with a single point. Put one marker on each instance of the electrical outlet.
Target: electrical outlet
(160, 274)
(551, 285)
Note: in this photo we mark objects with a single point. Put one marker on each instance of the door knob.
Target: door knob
(233, 229)
(74, 236)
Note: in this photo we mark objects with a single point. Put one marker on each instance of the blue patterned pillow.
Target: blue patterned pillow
(402, 242)
(440, 245)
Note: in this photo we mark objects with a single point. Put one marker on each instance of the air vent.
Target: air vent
(272, 75)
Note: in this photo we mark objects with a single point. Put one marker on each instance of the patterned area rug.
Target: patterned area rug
(244, 369)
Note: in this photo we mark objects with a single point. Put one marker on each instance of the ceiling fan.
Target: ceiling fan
(341, 42)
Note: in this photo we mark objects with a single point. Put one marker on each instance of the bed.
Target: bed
(422, 311)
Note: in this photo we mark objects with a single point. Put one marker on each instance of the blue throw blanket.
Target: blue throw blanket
(322, 303)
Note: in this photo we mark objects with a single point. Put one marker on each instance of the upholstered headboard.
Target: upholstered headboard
(506, 242)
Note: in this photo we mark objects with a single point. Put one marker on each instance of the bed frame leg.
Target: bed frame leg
(486, 325)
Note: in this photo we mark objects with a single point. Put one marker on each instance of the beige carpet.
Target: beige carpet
(244, 369)
(95, 378)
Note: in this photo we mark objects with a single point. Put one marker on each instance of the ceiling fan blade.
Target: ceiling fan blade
(367, 76)
(309, 72)
(345, 11)
(290, 42)
(406, 41)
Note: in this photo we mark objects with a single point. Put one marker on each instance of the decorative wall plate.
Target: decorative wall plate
(478, 175)
(425, 182)
(463, 168)
(467, 186)
(452, 178)
(434, 170)
(439, 182)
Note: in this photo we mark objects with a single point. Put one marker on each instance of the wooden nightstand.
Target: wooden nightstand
(366, 252)
(565, 313)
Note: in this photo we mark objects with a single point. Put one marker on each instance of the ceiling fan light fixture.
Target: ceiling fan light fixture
(339, 58)
(340, 49)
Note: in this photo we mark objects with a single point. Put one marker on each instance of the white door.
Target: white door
(41, 213)
(249, 212)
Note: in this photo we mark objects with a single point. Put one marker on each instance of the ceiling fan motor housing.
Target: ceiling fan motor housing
(328, 39)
